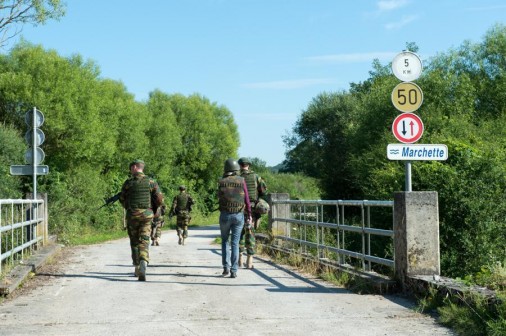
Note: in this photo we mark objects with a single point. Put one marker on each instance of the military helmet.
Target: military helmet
(244, 160)
(262, 207)
(231, 165)
(134, 162)
(182, 187)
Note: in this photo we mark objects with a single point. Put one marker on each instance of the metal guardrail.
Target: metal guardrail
(23, 225)
(310, 226)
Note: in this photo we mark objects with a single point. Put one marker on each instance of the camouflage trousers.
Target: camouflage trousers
(247, 240)
(156, 229)
(139, 232)
(182, 221)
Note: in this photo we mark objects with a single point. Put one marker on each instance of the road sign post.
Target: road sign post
(407, 97)
(34, 155)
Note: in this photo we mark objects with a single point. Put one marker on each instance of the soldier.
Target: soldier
(182, 207)
(140, 196)
(256, 189)
(156, 226)
(234, 204)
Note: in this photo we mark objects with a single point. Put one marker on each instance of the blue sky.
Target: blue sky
(265, 60)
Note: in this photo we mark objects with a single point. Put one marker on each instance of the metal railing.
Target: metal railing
(325, 231)
(23, 226)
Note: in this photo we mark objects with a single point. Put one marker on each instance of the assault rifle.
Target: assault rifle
(111, 200)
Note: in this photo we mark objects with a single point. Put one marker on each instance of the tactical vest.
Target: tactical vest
(251, 184)
(139, 195)
(182, 202)
(231, 194)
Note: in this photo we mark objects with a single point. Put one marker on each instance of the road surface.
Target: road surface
(91, 290)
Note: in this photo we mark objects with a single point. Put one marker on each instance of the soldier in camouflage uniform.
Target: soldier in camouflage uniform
(156, 226)
(182, 207)
(256, 188)
(141, 197)
(234, 205)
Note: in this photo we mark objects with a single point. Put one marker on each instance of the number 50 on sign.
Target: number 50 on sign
(407, 97)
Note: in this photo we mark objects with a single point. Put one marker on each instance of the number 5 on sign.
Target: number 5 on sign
(407, 97)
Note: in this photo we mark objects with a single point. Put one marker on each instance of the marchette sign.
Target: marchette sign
(417, 152)
(407, 128)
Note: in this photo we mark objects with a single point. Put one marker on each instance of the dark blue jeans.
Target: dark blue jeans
(231, 223)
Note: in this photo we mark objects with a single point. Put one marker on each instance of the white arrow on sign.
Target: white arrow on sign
(417, 152)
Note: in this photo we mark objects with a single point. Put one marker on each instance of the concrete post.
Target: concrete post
(416, 234)
(278, 211)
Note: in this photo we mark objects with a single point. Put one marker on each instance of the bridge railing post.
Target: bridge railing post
(416, 234)
(278, 211)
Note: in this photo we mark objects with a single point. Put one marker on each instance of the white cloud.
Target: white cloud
(388, 5)
(399, 24)
(289, 84)
(353, 58)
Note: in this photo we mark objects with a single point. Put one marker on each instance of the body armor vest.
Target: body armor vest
(139, 195)
(251, 184)
(231, 194)
(182, 202)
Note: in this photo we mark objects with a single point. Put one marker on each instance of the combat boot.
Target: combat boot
(142, 270)
(153, 242)
(136, 272)
(180, 241)
(157, 241)
(249, 262)
(240, 259)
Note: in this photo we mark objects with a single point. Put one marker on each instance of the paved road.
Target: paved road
(94, 293)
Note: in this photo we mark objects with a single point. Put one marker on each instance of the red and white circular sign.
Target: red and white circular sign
(407, 128)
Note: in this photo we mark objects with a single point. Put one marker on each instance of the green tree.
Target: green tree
(15, 13)
(11, 153)
(208, 137)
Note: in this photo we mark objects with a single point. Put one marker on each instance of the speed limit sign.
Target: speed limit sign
(407, 97)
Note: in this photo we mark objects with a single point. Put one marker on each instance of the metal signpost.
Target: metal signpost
(407, 67)
(407, 97)
(34, 155)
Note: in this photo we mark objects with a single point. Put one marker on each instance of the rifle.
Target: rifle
(111, 200)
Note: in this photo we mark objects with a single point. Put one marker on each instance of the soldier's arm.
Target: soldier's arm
(261, 186)
(156, 194)
(122, 196)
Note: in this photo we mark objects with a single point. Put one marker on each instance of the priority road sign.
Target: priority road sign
(407, 97)
(407, 128)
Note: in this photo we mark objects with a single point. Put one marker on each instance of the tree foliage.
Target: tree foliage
(15, 13)
(94, 128)
(341, 139)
